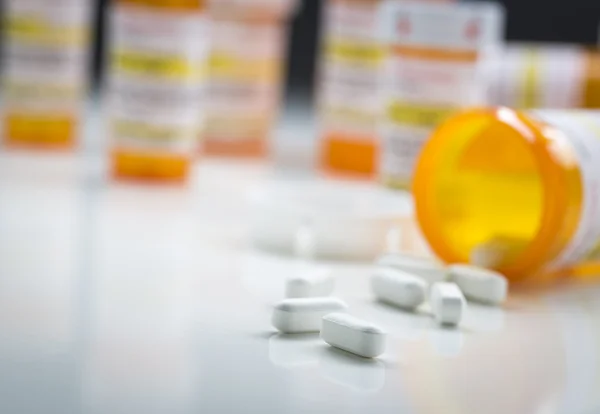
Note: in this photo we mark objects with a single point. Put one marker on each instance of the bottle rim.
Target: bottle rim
(548, 241)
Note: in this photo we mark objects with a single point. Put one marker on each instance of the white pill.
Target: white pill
(428, 269)
(299, 315)
(315, 283)
(359, 337)
(479, 284)
(447, 303)
(398, 288)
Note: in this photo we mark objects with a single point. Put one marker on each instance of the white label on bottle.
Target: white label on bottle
(582, 130)
(245, 80)
(438, 63)
(349, 78)
(539, 76)
(156, 78)
(45, 56)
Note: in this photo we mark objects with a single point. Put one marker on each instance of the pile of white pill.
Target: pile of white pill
(400, 280)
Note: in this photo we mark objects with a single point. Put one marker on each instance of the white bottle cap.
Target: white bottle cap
(326, 219)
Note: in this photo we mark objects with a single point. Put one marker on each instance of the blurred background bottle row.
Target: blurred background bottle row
(181, 77)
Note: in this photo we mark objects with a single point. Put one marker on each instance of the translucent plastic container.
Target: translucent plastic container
(515, 191)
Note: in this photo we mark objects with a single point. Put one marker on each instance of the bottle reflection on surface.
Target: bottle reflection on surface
(141, 348)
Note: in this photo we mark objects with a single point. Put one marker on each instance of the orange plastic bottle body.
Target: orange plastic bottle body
(156, 79)
(546, 76)
(518, 192)
(245, 82)
(44, 72)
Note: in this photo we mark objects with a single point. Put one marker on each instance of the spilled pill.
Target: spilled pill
(300, 315)
(479, 284)
(447, 303)
(353, 335)
(428, 269)
(398, 288)
(315, 283)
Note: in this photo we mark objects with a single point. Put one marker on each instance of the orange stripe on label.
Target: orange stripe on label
(448, 55)
(349, 154)
(131, 165)
(168, 4)
(44, 131)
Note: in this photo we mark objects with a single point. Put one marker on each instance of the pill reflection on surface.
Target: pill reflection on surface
(356, 373)
(292, 351)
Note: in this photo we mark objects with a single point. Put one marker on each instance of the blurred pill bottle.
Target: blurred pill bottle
(546, 76)
(348, 90)
(156, 81)
(515, 191)
(248, 44)
(349, 86)
(438, 63)
(44, 74)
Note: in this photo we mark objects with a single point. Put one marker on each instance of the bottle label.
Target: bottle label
(539, 77)
(352, 58)
(45, 56)
(582, 129)
(245, 66)
(437, 64)
(157, 72)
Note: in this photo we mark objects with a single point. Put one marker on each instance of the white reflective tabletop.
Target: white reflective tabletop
(117, 298)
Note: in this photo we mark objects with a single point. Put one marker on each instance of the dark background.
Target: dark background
(571, 21)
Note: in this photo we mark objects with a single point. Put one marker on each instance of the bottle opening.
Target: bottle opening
(479, 190)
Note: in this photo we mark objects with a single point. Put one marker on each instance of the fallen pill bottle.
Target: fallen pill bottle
(156, 80)
(518, 192)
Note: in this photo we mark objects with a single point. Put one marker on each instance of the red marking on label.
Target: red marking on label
(404, 26)
(472, 30)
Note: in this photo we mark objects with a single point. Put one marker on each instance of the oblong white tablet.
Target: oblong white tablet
(354, 335)
(447, 303)
(479, 284)
(315, 283)
(430, 270)
(398, 288)
(300, 315)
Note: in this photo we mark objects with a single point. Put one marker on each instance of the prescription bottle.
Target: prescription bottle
(248, 41)
(44, 76)
(515, 191)
(546, 76)
(438, 58)
(350, 84)
(156, 82)
(348, 92)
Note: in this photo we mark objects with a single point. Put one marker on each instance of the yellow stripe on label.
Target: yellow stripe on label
(37, 31)
(410, 114)
(229, 66)
(156, 65)
(142, 130)
(16, 91)
(530, 96)
(351, 114)
(369, 54)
